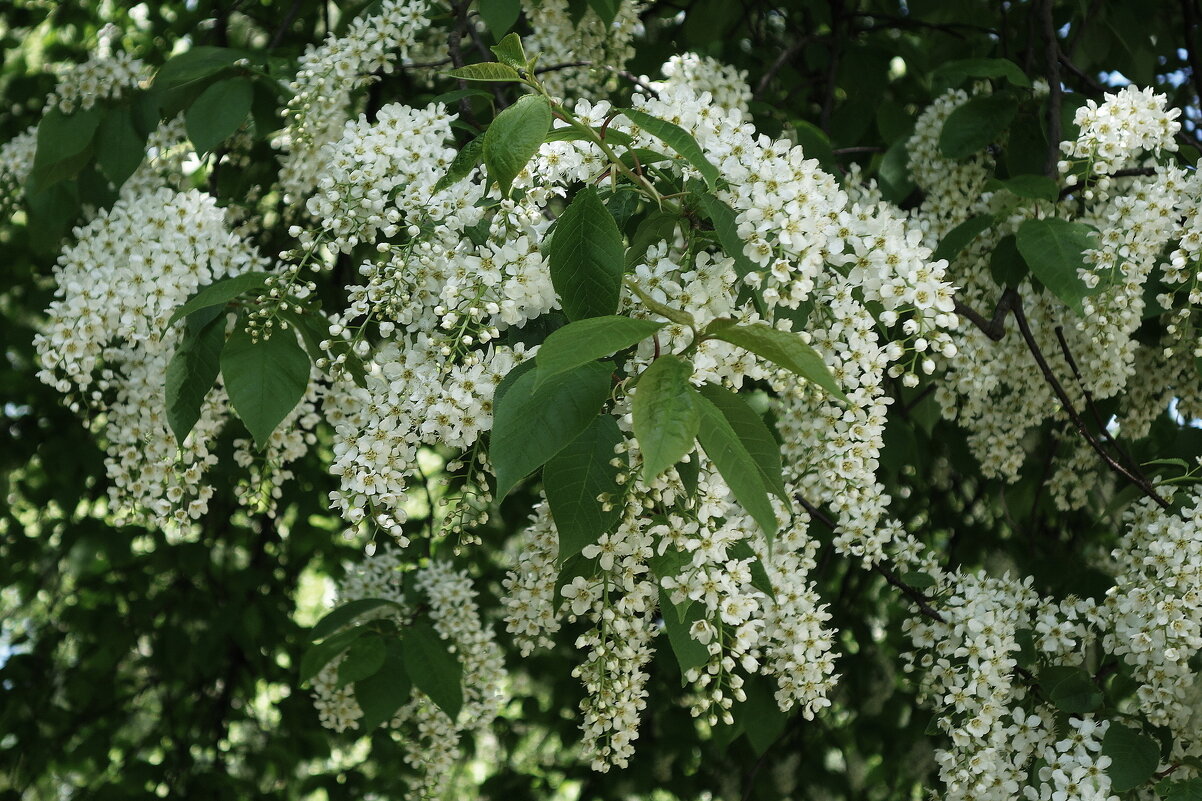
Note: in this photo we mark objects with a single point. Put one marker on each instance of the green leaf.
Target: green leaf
(119, 147)
(1071, 689)
(363, 659)
(815, 144)
(676, 138)
(735, 464)
(1032, 187)
(573, 134)
(218, 113)
(574, 477)
(322, 653)
(606, 10)
(762, 717)
(464, 162)
(499, 16)
(690, 654)
(219, 293)
(588, 340)
(665, 414)
(63, 144)
(1188, 790)
(1006, 264)
(345, 615)
(783, 348)
(195, 64)
(723, 219)
(585, 257)
(753, 433)
(1133, 757)
(669, 563)
(382, 694)
(976, 124)
(954, 72)
(960, 237)
(432, 668)
(1054, 249)
(191, 373)
(488, 71)
(657, 227)
(514, 137)
(265, 379)
(741, 549)
(530, 426)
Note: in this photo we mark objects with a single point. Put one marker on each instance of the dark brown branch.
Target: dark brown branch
(1090, 82)
(911, 592)
(781, 60)
(455, 49)
(1066, 403)
(285, 24)
(1052, 62)
(950, 28)
(995, 329)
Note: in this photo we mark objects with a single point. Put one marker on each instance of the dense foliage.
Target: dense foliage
(601, 399)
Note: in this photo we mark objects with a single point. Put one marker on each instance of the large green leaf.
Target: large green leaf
(265, 379)
(656, 227)
(363, 659)
(723, 219)
(64, 143)
(753, 433)
(218, 113)
(432, 668)
(464, 162)
(690, 654)
(321, 654)
(575, 477)
(1133, 757)
(487, 71)
(530, 426)
(1071, 689)
(515, 136)
(1054, 250)
(385, 692)
(191, 373)
(960, 237)
(219, 293)
(588, 340)
(195, 64)
(975, 125)
(665, 414)
(346, 614)
(736, 465)
(678, 139)
(1187, 790)
(119, 147)
(954, 72)
(783, 348)
(499, 16)
(585, 258)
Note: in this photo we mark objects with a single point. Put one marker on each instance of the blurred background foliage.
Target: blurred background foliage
(133, 665)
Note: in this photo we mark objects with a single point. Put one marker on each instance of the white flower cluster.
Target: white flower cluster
(107, 343)
(328, 76)
(952, 189)
(560, 42)
(1154, 612)
(105, 76)
(432, 739)
(726, 85)
(1115, 133)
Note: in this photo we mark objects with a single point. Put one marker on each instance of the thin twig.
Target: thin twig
(920, 600)
(832, 67)
(1052, 62)
(1066, 403)
(781, 60)
(1191, 53)
(995, 329)
(285, 24)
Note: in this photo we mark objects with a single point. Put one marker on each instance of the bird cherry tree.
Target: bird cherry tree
(676, 415)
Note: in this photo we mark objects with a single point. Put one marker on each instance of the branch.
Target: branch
(832, 67)
(995, 329)
(1191, 53)
(781, 60)
(285, 24)
(1066, 403)
(911, 592)
(1052, 61)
